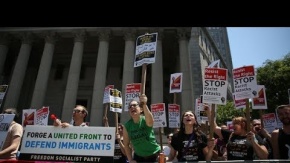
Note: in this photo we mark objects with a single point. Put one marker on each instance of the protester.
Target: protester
(263, 133)
(220, 147)
(13, 138)
(281, 137)
(190, 144)
(79, 115)
(241, 144)
(166, 149)
(119, 153)
(139, 131)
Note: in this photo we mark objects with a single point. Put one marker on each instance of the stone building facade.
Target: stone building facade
(60, 67)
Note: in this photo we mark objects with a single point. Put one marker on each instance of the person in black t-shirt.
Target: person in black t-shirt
(190, 143)
(241, 145)
(281, 137)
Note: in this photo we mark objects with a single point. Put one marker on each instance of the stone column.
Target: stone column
(4, 40)
(128, 68)
(186, 94)
(100, 79)
(43, 72)
(73, 76)
(19, 71)
(157, 73)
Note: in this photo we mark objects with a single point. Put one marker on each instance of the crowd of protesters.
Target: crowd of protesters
(188, 144)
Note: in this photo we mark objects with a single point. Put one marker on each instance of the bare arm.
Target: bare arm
(122, 147)
(260, 150)
(172, 154)
(274, 143)
(106, 122)
(148, 115)
(265, 134)
(126, 142)
(208, 150)
(14, 145)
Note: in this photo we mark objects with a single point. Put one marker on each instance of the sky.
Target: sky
(254, 45)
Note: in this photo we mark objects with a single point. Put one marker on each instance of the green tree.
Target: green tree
(275, 75)
(227, 112)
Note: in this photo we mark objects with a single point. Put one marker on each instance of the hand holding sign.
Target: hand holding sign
(143, 100)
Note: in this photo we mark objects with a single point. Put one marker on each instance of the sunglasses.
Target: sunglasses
(76, 111)
(120, 128)
(256, 124)
(133, 105)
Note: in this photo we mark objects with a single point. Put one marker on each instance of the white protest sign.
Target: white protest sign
(42, 116)
(115, 100)
(214, 64)
(159, 116)
(146, 46)
(260, 102)
(174, 115)
(197, 102)
(106, 98)
(245, 82)
(28, 117)
(239, 104)
(133, 92)
(215, 86)
(201, 114)
(76, 144)
(175, 83)
(230, 125)
(270, 123)
(3, 89)
(5, 121)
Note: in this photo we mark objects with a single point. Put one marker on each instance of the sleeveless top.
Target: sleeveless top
(142, 137)
(284, 144)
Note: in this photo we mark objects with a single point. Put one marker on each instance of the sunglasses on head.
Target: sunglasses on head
(76, 111)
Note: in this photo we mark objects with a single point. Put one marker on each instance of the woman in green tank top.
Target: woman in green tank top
(139, 131)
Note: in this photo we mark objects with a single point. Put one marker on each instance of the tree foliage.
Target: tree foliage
(275, 75)
(227, 112)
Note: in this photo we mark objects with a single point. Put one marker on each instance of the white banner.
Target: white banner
(67, 144)
(5, 121)
(159, 116)
(174, 115)
(146, 46)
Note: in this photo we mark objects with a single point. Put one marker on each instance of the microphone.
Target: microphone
(56, 120)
